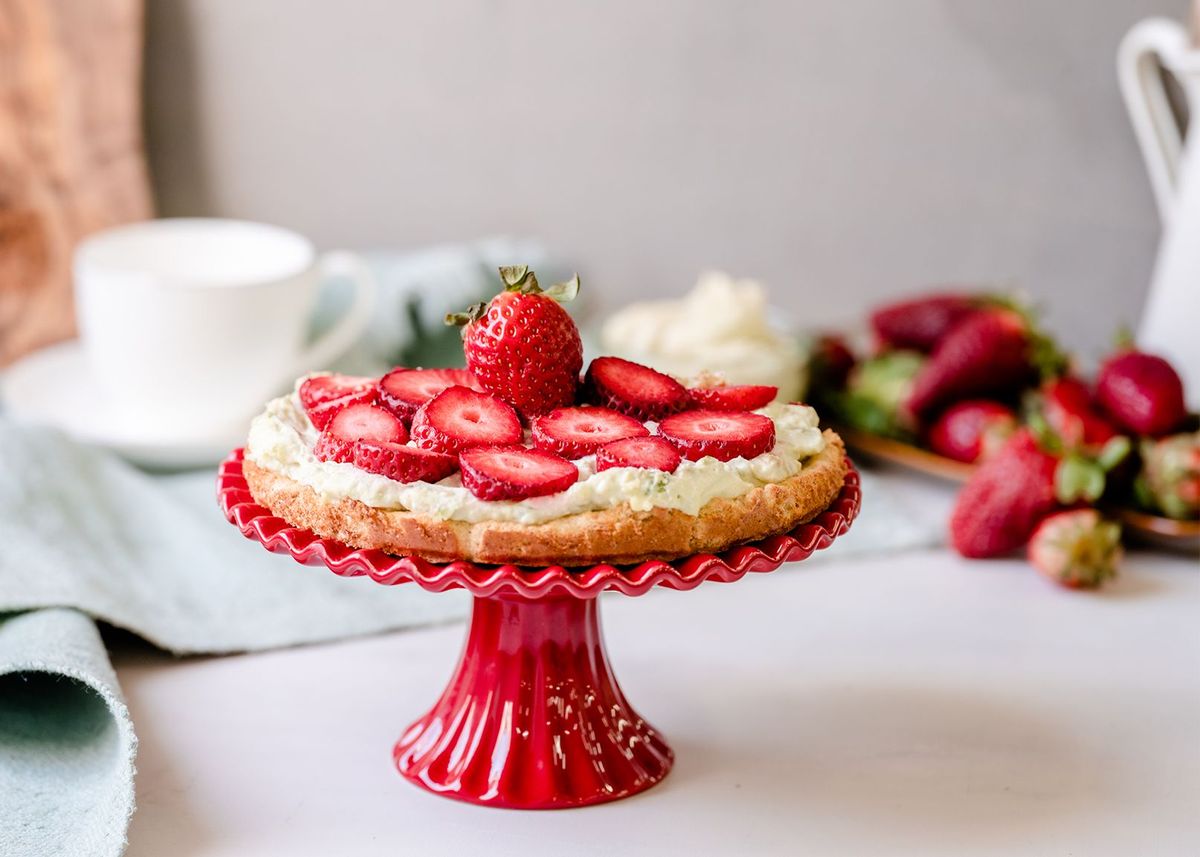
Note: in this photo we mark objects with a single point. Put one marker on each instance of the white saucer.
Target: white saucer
(54, 387)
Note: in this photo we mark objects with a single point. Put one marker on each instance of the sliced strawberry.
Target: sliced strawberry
(402, 462)
(749, 397)
(515, 472)
(402, 390)
(320, 389)
(321, 415)
(633, 389)
(459, 418)
(322, 396)
(648, 453)
(357, 422)
(576, 432)
(721, 434)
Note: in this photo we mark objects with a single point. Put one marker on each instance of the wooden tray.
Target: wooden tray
(1155, 529)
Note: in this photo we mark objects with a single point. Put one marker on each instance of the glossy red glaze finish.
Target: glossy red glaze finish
(533, 717)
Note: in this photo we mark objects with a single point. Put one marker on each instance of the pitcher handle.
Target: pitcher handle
(1149, 43)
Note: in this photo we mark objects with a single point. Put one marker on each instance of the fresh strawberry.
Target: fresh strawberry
(722, 434)
(1067, 406)
(875, 393)
(319, 389)
(648, 453)
(988, 353)
(633, 389)
(522, 346)
(999, 506)
(402, 390)
(972, 430)
(1077, 548)
(1170, 477)
(748, 397)
(322, 396)
(1142, 393)
(576, 432)
(920, 323)
(357, 422)
(515, 472)
(459, 418)
(829, 362)
(402, 462)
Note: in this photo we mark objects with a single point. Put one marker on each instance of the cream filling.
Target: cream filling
(281, 440)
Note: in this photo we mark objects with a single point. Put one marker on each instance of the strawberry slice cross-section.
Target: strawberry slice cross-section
(576, 432)
(402, 462)
(648, 453)
(402, 390)
(354, 423)
(459, 418)
(724, 435)
(515, 472)
(746, 397)
(634, 389)
(322, 396)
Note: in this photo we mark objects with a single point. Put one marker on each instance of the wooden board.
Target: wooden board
(1168, 532)
(71, 154)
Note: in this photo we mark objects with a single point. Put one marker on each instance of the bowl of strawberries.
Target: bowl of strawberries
(967, 386)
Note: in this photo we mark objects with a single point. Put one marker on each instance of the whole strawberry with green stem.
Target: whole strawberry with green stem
(1076, 548)
(1142, 392)
(522, 346)
(1170, 477)
(1031, 476)
(994, 352)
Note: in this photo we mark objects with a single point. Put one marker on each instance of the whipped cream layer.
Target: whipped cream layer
(282, 438)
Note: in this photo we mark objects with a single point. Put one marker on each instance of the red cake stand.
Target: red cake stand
(533, 717)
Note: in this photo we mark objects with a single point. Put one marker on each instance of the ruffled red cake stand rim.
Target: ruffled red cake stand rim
(487, 581)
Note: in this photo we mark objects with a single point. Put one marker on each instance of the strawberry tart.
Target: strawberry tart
(520, 459)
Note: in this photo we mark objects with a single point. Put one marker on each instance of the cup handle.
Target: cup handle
(336, 341)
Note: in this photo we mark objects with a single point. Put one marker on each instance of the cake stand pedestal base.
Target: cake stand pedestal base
(533, 717)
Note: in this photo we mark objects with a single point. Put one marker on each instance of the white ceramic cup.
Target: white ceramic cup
(190, 324)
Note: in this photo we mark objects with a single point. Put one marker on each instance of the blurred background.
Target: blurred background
(840, 152)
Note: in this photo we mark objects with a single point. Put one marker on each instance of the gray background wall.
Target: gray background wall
(841, 151)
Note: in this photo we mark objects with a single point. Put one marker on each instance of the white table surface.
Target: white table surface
(909, 704)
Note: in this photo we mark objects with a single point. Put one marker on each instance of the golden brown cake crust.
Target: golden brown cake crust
(618, 535)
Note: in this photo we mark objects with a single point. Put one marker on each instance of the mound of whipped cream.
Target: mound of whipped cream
(723, 325)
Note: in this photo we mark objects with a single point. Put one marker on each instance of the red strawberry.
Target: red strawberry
(1066, 405)
(1004, 499)
(722, 434)
(402, 462)
(322, 396)
(988, 353)
(576, 432)
(458, 418)
(1142, 393)
(357, 422)
(829, 363)
(523, 347)
(920, 323)
(1078, 548)
(402, 390)
(648, 453)
(972, 430)
(320, 389)
(749, 397)
(515, 472)
(633, 389)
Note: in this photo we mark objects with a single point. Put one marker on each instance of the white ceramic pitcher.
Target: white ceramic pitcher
(1170, 322)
